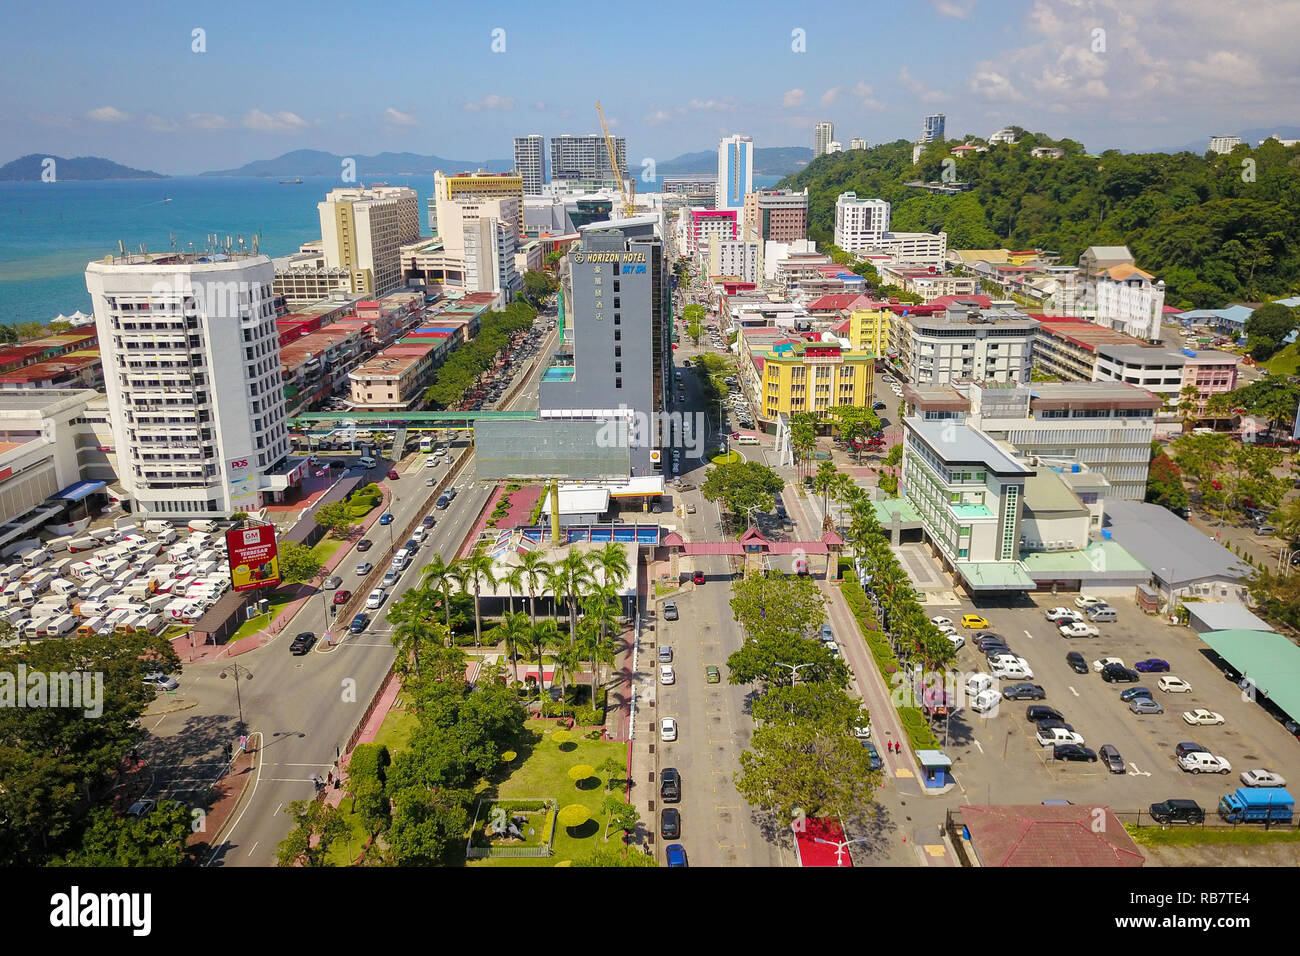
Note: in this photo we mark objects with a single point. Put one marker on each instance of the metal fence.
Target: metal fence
(480, 852)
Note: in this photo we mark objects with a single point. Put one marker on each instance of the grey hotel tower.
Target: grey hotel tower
(614, 358)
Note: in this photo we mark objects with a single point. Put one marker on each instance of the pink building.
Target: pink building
(704, 223)
(1210, 373)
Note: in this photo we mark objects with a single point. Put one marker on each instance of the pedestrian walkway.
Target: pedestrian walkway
(209, 652)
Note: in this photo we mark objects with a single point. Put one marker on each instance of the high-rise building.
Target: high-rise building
(777, 215)
(835, 146)
(530, 162)
(196, 401)
(584, 159)
(612, 361)
(1224, 144)
(481, 185)
(860, 223)
(363, 230)
(822, 136)
(856, 143)
(932, 128)
(735, 171)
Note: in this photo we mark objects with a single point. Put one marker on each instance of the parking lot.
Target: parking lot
(1021, 771)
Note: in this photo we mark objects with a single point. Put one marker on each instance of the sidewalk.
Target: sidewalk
(306, 591)
(642, 762)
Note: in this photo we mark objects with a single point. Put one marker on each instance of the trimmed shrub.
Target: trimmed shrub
(918, 731)
(590, 716)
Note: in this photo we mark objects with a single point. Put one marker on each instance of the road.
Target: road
(301, 711)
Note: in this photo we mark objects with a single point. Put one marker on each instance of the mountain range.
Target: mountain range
(31, 168)
(768, 161)
(315, 162)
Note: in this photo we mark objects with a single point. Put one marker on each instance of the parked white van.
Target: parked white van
(985, 701)
(107, 535)
(84, 543)
(205, 525)
(158, 526)
(977, 683)
(34, 559)
(58, 626)
(59, 545)
(167, 536)
(53, 604)
(748, 440)
(13, 615)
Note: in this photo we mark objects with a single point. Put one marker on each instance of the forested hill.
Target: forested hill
(1214, 230)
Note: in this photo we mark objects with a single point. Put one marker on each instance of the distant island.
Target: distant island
(30, 168)
(315, 162)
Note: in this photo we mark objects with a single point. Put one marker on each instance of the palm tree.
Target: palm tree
(413, 615)
(407, 637)
(570, 578)
(602, 617)
(533, 568)
(439, 576)
(567, 659)
(611, 560)
(541, 637)
(514, 580)
(476, 569)
(514, 629)
(823, 481)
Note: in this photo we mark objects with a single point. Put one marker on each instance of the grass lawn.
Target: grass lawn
(1191, 836)
(1285, 362)
(278, 603)
(343, 852)
(326, 548)
(543, 773)
(729, 458)
(396, 730)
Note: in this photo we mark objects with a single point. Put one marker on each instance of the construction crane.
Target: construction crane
(629, 201)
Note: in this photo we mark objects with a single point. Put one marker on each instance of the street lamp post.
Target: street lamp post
(794, 668)
(238, 671)
(839, 846)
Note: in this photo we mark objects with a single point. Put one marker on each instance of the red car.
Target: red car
(341, 596)
(392, 474)
(698, 577)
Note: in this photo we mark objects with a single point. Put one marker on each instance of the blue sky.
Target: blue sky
(122, 80)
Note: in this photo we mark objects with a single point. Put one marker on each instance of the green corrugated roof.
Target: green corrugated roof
(886, 509)
(995, 575)
(1099, 558)
(1269, 659)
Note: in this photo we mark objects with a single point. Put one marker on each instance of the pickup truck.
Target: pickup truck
(1255, 805)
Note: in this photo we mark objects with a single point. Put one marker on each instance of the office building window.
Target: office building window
(618, 383)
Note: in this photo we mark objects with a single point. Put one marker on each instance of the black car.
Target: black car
(1073, 752)
(302, 643)
(991, 649)
(1119, 674)
(365, 544)
(338, 463)
(412, 545)
(359, 623)
(1024, 692)
(1133, 693)
(1076, 662)
(1177, 811)
(1188, 747)
(670, 823)
(443, 501)
(1052, 723)
(877, 406)
(429, 521)
(1037, 712)
(670, 785)
(1110, 756)
(873, 755)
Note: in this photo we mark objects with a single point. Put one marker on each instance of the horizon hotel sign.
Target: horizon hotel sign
(580, 257)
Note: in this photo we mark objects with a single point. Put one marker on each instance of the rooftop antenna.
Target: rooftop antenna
(255, 238)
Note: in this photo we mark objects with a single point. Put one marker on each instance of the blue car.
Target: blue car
(676, 854)
(873, 755)
(1152, 664)
(385, 518)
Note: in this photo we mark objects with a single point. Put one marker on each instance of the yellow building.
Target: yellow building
(812, 377)
(869, 329)
(481, 185)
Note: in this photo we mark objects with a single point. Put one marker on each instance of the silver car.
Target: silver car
(1145, 705)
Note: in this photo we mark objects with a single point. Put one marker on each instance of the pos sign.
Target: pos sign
(254, 559)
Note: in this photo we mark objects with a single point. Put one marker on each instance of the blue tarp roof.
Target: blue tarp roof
(79, 490)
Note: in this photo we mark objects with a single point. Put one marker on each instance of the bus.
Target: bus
(426, 443)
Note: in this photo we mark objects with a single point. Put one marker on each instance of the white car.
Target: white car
(375, 598)
(1058, 735)
(862, 731)
(1100, 665)
(668, 728)
(1262, 778)
(940, 621)
(1198, 761)
(1085, 601)
(1201, 717)
(957, 641)
(1012, 671)
(1174, 685)
(667, 675)
(1063, 615)
(1079, 629)
(947, 628)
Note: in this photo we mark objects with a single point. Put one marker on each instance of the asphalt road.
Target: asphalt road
(304, 709)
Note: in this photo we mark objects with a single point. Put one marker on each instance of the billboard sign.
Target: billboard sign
(254, 560)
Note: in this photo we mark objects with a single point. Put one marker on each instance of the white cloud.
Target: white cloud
(831, 95)
(918, 89)
(540, 106)
(161, 124)
(398, 118)
(867, 97)
(992, 85)
(208, 121)
(492, 101)
(959, 9)
(660, 117)
(725, 105)
(792, 99)
(281, 122)
(107, 114)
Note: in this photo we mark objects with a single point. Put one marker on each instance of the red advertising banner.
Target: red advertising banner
(254, 560)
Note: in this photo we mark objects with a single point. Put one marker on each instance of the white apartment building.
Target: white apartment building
(835, 146)
(965, 343)
(822, 137)
(1128, 300)
(1005, 135)
(192, 374)
(584, 159)
(489, 247)
(919, 248)
(860, 224)
(856, 143)
(739, 258)
(530, 162)
(1224, 144)
(363, 230)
